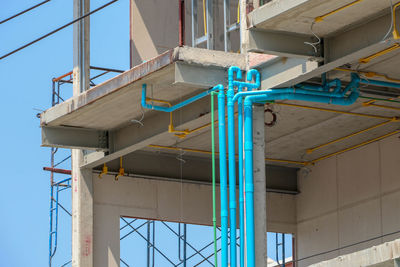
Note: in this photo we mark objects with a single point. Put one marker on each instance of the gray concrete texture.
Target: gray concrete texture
(163, 200)
(347, 199)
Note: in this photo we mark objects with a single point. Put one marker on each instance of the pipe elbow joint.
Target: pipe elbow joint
(218, 87)
(232, 70)
(256, 74)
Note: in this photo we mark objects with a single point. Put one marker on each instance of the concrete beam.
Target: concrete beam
(164, 166)
(173, 201)
(351, 46)
(281, 69)
(340, 49)
(198, 76)
(68, 137)
(281, 44)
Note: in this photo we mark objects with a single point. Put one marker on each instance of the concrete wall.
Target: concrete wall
(154, 27)
(164, 200)
(349, 198)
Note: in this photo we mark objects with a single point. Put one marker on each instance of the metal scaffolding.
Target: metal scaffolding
(185, 254)
(58, 185)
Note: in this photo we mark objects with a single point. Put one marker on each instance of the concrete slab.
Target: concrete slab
(116, 102)
(297, 16)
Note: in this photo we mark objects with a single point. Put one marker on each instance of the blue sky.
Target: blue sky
(25, 83)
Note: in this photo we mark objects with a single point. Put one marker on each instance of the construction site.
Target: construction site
(237, 118)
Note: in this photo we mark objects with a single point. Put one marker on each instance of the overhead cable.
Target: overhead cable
(22, 12)
(58, 29)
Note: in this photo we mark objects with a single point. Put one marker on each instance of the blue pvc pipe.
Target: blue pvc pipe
(276, 94)
(179, 105)
(380, 83)
(232, 161)
(240, 174)
(249, 184)
(223, 180)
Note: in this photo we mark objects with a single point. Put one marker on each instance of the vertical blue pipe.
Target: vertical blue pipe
(223, 180)
(232, 161)
(249, 185)
(240, 173)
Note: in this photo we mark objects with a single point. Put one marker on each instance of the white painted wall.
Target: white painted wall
(349, 198)
(164, 200)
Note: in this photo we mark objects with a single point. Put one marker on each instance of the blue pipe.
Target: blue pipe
(249, 184)
(179, 105)
(240, 174)
(324, 95)
(380, 83)
(267, 95)
(223, 180)
(232, 161)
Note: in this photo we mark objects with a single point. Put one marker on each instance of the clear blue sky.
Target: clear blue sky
(25, 83)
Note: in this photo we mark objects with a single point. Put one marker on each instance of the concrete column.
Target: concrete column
(260, 194)
(244, 32)
(106, 231)
(82, 188)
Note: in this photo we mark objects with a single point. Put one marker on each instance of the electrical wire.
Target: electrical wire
(314, 44)
(391, 22)
(24, 11)
(57, 30)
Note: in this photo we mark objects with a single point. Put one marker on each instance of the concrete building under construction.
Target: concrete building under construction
(286, 111)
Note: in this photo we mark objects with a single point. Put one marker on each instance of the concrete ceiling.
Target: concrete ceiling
(298, 129)
(297, 16)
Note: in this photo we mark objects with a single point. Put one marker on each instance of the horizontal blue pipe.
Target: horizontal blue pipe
(179, 105)
(380, 83)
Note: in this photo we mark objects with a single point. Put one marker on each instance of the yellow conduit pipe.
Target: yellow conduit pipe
(238, 13)
(371, 104)
(354, 147)
(395, 32)
(370, 74)
(338, 111)
(321, 18)
(209, 153)
(309, 151)
(204, 17)
(104, 170)
(171, 129)
(378, 54)
(304, 163)
(121, 170)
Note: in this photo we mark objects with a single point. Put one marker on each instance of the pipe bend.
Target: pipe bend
(257, 77)
(232, 70)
